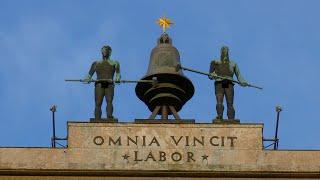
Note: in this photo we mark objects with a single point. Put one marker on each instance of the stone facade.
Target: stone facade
(161, 150)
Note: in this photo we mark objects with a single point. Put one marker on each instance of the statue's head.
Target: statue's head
(106, 51)
(224, 53)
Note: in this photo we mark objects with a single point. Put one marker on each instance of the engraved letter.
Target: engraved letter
(150, 156)
(136, 156)
(143, 140)
(231, 141)
(214, 137)
(187, 140)
(133, 141)
(162, 156)
(174, 140)
(176, 156)
(222, 141)
(98, 140)
(190, 156)
(115, 142)
(154, 140)
(196, 139)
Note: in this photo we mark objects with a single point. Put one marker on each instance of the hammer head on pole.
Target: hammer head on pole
(154, 81)
(178, 67)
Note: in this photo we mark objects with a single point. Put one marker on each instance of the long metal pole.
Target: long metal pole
(53, 139)
(276, 143)
(208, 74)
(154, 80)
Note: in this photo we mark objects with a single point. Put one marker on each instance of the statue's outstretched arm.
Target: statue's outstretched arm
(91, 72)
(212, 70)
(239, 77)
(118, 75)
(92, 69)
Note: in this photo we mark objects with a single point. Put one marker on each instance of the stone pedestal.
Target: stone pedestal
(163, 146)
(161, 150)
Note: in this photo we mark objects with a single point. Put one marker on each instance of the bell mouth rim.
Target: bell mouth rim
(177, 79)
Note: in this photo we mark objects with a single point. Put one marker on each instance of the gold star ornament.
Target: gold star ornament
(164, 22)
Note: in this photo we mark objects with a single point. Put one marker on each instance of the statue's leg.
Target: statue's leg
(219, 97)
(98, 94)
(229, 98)
(109, 92)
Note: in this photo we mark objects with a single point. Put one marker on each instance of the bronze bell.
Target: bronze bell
(172, 89)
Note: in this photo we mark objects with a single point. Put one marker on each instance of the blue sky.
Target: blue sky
(275, 43)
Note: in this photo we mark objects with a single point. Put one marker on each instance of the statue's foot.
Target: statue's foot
(218, 119)
(233, 121)
(96, 119)
(111, 117)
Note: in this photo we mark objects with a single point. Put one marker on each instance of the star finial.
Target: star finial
(164, 22)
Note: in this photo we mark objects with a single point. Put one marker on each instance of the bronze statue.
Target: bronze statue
(105, 70)
(224, 86)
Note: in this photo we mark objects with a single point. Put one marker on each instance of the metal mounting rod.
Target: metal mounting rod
(276, 143)
(165, 110)
(53, 109)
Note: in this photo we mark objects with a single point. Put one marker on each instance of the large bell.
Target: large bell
(173, 89)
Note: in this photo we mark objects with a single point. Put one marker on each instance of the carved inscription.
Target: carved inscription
(228, 141)
(182, 143)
